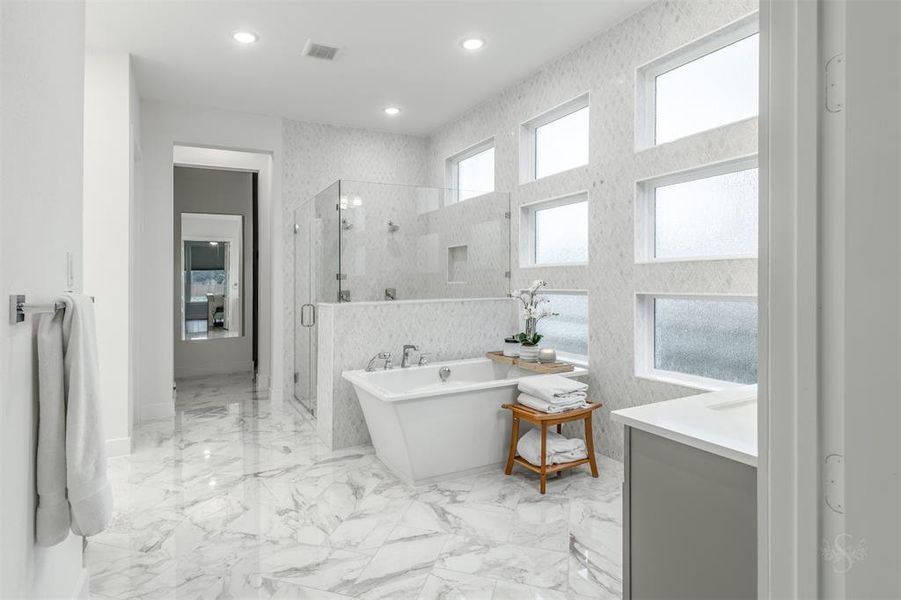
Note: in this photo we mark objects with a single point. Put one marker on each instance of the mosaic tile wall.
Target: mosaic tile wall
(413, 259)
(350, 334)
(605, 67)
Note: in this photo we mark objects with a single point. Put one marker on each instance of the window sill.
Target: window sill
(665, 261)
(689, 381)
(642, 147)
(554, 265)
(545, 177)
(575, 360)
(453, 201)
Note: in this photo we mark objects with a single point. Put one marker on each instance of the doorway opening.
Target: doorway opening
(216, 293)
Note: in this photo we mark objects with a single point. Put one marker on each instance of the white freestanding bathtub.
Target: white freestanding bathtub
(425, 429)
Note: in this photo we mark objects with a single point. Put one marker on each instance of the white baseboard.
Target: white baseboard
(157, 410)
(83, 586)
(118, 447)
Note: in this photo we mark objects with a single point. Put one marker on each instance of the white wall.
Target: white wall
(110, 122)
(42, 100)
(162, 127)
(605, 66)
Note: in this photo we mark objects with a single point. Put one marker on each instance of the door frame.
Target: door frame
(788, 416)
(260, 164)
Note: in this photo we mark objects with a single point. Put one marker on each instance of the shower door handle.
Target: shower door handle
(303, 314)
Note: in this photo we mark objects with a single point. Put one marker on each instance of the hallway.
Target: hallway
(237, 497)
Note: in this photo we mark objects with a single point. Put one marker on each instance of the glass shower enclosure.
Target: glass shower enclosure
(358, 241)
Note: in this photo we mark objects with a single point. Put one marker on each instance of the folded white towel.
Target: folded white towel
(559, 449)
(553, 388)
(73, 490)
(548, 407)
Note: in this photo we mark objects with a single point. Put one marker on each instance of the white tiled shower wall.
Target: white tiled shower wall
(413, 259)
(315, 156)
(605, 67)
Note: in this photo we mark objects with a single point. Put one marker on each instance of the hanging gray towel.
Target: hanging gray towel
(73, 490)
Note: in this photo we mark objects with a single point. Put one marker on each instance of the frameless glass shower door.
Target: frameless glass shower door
(304, 311)
(359, 241)
(315, 256)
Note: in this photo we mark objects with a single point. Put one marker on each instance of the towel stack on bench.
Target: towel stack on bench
(552, 393)
(559, 449)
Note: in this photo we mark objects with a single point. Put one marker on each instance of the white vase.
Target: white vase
(528, 353)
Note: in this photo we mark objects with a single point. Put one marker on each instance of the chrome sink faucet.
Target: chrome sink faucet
(385, 356)
(408, 349)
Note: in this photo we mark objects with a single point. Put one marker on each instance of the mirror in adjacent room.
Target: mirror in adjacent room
(212, 260)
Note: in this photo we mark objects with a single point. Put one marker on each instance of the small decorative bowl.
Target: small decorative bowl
(547, 355)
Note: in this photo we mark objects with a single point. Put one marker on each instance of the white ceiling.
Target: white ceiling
(405, 54)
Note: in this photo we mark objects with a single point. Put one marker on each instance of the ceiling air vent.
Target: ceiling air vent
(314, 50)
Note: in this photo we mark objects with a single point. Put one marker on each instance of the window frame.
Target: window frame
(644, 342)
(579, 360)
(528, 231)
(646, 76)
(528, 138)
(646, 207)
(452, 170)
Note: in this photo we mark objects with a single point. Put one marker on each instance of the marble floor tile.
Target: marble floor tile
(508, 590)
(519, 564)
(401, 566)
(318, 567)
(442, 584)
(542, 522)
(235, 496)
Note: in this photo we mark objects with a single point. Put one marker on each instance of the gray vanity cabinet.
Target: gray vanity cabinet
(690, 522)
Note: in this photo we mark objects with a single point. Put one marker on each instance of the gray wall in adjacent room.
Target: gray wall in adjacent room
(214, 191)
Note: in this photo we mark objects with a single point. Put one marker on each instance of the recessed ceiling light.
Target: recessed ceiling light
(473, 43)
(392, 111)
(245, 37)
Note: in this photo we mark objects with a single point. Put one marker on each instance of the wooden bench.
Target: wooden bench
(543, 421)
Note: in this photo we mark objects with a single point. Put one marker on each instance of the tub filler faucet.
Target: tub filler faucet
(408, 349)
(385, 356)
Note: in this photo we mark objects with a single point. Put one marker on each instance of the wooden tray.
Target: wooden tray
(544, 368)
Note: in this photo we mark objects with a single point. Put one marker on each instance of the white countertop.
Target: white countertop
(723, 423)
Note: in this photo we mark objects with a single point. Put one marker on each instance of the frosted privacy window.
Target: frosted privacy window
(713, 90)
(561, 232)
(471, 172)
(709, 338)
(568, 332)
(561, 144)
(708, 217)
(476, 174)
